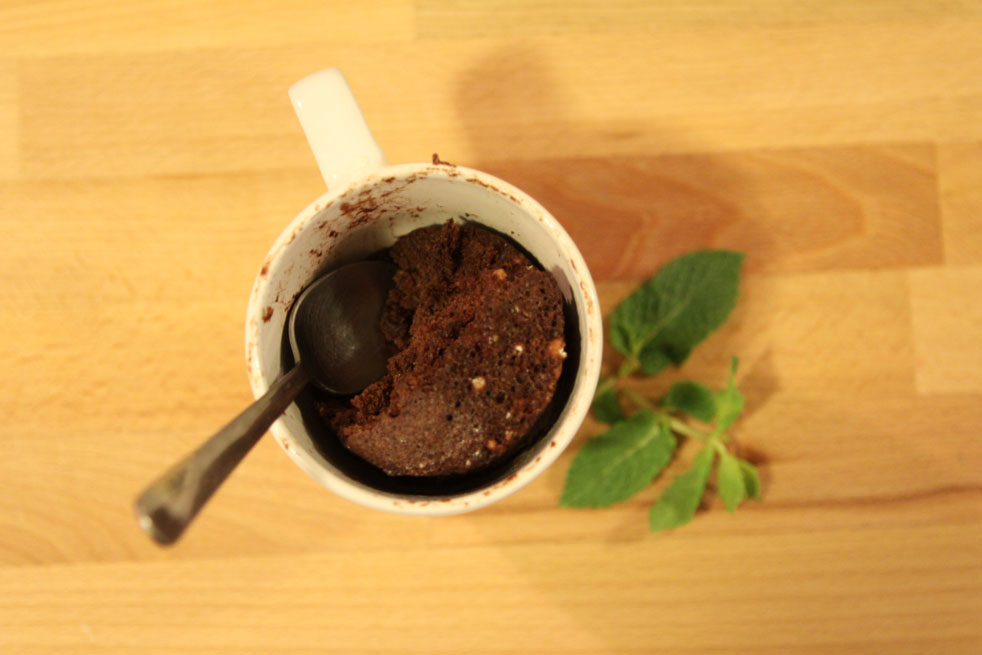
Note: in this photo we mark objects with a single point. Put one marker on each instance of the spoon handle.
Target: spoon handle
(168, 506)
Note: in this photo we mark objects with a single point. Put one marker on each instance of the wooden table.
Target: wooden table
(149, 156)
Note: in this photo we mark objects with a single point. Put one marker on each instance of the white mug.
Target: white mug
(367, 206)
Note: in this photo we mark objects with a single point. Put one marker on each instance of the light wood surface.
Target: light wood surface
(149, 157)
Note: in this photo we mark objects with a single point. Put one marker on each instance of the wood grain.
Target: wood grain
(582, 96)
(55, 27)
(854, 593)
(501, 18)
(9, 114)
(149, 157)
(961, 202)
(947, 320)
(796, 210)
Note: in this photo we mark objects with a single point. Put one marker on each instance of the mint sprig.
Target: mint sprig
(657, 325)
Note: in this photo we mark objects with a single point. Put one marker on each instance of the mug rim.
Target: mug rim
(585, 299)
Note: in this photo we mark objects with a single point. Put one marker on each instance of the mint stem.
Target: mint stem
(628, 366)
(682, 427)
(641, 401)
(674, 424)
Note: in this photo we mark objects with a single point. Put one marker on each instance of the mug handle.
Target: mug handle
(335, 128)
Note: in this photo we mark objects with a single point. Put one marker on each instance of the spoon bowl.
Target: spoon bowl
(333, 326)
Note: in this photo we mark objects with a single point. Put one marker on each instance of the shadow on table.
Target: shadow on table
(620, 188)
(629, 213)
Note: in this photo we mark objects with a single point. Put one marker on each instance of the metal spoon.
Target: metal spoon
(336, 341)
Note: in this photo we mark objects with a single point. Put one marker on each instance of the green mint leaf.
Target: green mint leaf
(729, 401)
(730, 482)
(751, 481)
(653, 360)
(620, 462)
(678, 503)
(676, 309)
(606, 407)
(696, 400)
(656, 356)
(628, 320)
